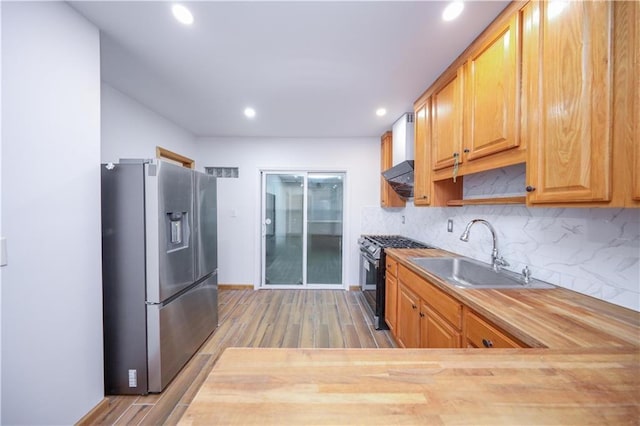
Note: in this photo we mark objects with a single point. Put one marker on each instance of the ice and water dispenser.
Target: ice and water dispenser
(178, 229)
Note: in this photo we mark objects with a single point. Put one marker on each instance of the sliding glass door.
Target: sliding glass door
(302, 229)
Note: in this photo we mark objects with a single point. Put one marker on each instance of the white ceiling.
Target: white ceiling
(310, 69)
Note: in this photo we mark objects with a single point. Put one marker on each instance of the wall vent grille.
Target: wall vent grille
(222, 172)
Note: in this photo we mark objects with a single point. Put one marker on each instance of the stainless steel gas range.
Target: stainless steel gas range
(372, 270)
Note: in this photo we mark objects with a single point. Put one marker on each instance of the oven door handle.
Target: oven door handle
(368, 257)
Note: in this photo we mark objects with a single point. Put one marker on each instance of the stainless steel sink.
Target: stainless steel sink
(468, 273)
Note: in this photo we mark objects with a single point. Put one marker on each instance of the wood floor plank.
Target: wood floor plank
(307, 334)
(382, 339)
(322, 336)
(344, 315)
(134, 414)
(251, 318)
(169, 398)
(283, 320)
(176, 415)
(362, 326)
(291, 337)
(218, 337)
(118, 404)
(351, 339)
(336, 337)
(201, 376)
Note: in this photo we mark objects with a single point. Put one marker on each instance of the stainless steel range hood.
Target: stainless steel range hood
(400, 176)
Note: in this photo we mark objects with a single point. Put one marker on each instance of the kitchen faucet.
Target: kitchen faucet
(496, 262)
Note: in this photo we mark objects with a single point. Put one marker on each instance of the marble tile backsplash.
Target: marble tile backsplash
(504, 182)
(592, 251)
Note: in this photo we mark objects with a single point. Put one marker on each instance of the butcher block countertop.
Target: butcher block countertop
(551, 318)
(260, 386)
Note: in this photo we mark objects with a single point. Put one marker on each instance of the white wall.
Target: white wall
(239, 199)
(1, 234)
(131, 130)
(52, 354)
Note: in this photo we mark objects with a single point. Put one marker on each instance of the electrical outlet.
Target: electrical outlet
(450, 225)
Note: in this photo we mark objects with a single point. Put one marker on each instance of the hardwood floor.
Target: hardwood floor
(266, 318)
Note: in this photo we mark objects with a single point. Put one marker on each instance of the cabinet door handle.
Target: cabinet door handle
(467, 150)
(530, 188)
(487, 343)
(422, 314)
(414, 306)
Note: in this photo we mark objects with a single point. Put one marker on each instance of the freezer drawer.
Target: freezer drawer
(176, 330)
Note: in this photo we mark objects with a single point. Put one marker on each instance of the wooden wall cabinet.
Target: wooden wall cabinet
(391, 293)
(479, 333)
(567, 89)
(422, 152)
(388, 197)
(631, 12)
(446, 137)
(491, 94)
(554, 85)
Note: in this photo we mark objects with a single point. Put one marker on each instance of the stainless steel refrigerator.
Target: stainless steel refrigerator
(160, 284)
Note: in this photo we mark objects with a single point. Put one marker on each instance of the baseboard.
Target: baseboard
(235, 286)
(93, 416)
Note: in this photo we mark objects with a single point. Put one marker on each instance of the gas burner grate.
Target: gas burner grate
(395, 241)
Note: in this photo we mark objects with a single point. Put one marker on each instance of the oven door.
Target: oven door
(368, 271)
(372, 286)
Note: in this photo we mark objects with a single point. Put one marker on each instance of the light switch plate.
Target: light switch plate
(3, 251)
(450, 225)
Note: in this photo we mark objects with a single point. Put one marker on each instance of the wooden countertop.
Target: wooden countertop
(553, 318)
(420, 386)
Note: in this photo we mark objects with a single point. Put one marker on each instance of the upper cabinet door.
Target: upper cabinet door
(635, 13)
(491, 94)
(567, 111)
(422, 149)
(388, 197)
(447, 122)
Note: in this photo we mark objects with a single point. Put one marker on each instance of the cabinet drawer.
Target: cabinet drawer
(480, 334)
(446, 306)
(391, 266)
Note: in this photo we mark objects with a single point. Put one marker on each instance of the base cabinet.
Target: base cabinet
(391, 302)
(436, 332)
(427, 317)
(408, 335)
(479, 333)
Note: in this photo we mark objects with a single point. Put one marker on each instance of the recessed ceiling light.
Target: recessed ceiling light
(250, 112)
(182, 14)
(452, 11)
(381, 112)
